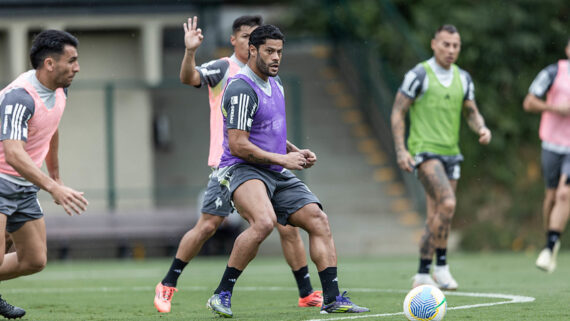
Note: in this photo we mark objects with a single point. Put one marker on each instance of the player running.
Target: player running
(554, 83)
(30, 110)
(435, 92)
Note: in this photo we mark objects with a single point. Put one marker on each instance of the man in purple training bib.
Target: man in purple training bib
(255, 169)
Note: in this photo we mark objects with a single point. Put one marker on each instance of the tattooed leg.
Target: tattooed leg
(440, 198)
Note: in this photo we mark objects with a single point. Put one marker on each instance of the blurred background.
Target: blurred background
(136, 141)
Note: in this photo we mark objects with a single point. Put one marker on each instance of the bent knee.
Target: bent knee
(447, 206)
(33, 266)
(207, 225)
(288, 233)
(321, 218)
(264, 226)
(207, 229)
(563, 194)
(318, 220)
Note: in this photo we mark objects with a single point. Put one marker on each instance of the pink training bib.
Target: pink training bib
(555, 128)
(41, 126)
(216, 119)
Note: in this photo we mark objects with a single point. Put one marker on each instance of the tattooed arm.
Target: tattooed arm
(476, 121)
(310, 157)
(399, 109)
(242, 147)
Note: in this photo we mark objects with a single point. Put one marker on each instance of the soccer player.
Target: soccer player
(435, 92)
(554, 83)
(254, 171)
(216, 205)
(30, 110)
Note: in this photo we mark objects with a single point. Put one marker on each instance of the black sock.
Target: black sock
(228, 280)
(440, 257)
(425, 266)
(551, 238)
(329, 281)
(173, 274)
(303, 281)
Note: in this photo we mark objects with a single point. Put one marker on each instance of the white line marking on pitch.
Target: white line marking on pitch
(509, 297)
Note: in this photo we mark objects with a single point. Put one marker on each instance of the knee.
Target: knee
(321, 218)
(33, 266)
(563, 194)
(319, 221)
(207, 228)
(288, 234)
(447, 206)
(263, 226)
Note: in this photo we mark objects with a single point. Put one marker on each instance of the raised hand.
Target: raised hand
(192, 34)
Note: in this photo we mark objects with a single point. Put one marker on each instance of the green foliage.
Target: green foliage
(504, 46)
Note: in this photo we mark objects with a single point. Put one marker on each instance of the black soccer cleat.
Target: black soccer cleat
(9, 311)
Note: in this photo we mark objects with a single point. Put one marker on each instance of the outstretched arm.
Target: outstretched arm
(399, 109)
(192, 40)
(476, 121)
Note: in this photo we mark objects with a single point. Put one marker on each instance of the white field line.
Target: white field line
(509, 298)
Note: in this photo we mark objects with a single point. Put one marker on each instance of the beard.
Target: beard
(64, 82)
(263, 67)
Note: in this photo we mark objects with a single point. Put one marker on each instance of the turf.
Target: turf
(124, 290)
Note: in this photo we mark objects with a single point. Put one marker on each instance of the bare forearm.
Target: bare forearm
(291, 147)
(24, 165)
(534, 104)
(188, 73)
(473, 117)
(398, 131)
(398, 120)
(52, 159)
(253, 154)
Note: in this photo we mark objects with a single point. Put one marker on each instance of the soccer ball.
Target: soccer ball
(425, 302)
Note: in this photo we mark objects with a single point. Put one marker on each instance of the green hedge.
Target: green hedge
(504, 45)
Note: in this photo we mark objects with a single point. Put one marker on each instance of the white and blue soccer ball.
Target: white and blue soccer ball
(425, 302)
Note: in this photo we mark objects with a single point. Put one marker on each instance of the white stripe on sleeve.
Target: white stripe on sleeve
(19, 120)
(245, 112)
(14, 134)
(240, 109)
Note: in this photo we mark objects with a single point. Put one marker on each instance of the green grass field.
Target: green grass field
(124, 290)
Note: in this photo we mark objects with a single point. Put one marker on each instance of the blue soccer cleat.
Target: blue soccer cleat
(9, 311)
(221, 304)
(342, 304)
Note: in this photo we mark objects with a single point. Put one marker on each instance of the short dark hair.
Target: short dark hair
(50, 42)
(251, 21)
(261, 34)
(448, 28)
